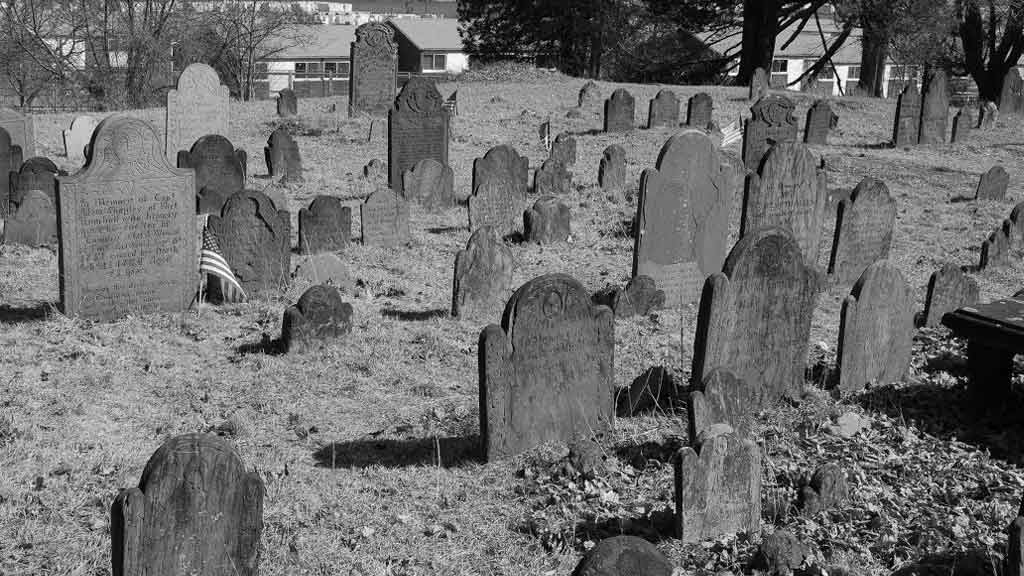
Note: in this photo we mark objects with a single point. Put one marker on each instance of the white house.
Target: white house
(429, 46)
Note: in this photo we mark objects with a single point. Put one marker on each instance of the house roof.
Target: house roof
(807, 45)
(448, 9)
(430, 33)
(320, 41)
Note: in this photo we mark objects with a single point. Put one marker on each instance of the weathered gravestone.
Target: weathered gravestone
(385, 220)
(1011, 99)
(663, 110)
(820, 121)
(553, 178)
(10, 159)
(995, 250)
(375, 171)
(988, 114)
(908, 117)
(863, 234)
(611, 173)
(960, 123)
(318, 318)
(483, 274)
(255, 239)
(503, 163)
(949, 288)
(196, 511)
(723, 399)
(589, 94)
(34, 222)
(546, 374)
(430, 184)
(197, 107)
(220, 170)
(934, 109)
(127, 228)
(1017, 225)
(324, 268)
(547, 221)
(495, 204)
(993, 184)
(374, 69)
(563, 149)
(35, 174)
(324, 226)
(772, 122)
(284, 162)
(682, 216)
(417, 129)
(638, 298)
(287, 103)
(755, 316)
(619, 111)
(876, 329)
(77, 137)
(22, 129)
(699, 111)
(624, 556)
(759, 84)
(717, 487)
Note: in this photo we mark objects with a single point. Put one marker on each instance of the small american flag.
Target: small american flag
(731, 134)
(212, 262)
(545, 135)
(452, 104)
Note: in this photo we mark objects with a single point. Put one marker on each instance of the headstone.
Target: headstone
(550, 332)
(624, 556)
(287, 103)
(995, 250)
(934, 109)
(960, 124)
(430, 184)
(826, 489)
(820, 121)
(863, 233)
(220, 170)
(10, 159)
(77, 137)
(683, 216)
(877, 329)
(1011, 99)
(949, 288)
(993, 184)
(197, 107)
(717, 487)
(196, 511)
(589, 94)
(385, 220)
(503, 163)
(417, 129)
(375, 170)
(127, 228)
(317, 319)
(378, 131)
(552, 179)
(908, 117)
(755, 316)
(35, 174)
(324, 268)
(374, 69)
(22, 129)
(640, 297)
(284, 162)
(664, 110)
(547, 222)
(772, 122)
(723, 399)
(255, 240)
(611, 173)
(988, 113)
(700, 111)
(563, 149)
(495, 204)
(34, 223)
(759, 84)
(324, 226)
(483, 274)
(619, 111)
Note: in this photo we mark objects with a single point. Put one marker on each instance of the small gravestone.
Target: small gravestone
(34, 223)
(374, 69)
(863, 234)
(624, 556)
(908, 117)
(1011, 99)
(429, 184)
(375, 171)
(589, 94)
(877, 329)
(934, 109)
(317, 319)
(220, 170)
(993, 184)
(22, 129)
(287, 103)
(196, 511)
(759, 84)
(611, 173)
(552, 179)
(324, 226)
(619, 111)
(550, 332)
(826, 489)
(127, 228)
(284, 162)
(717, 487)
(483, 274)
(700, 111)
(664, 110)
(495, 204)
(960, 124)
(772, 122)
(378, 131)
(10, 159)
(995, 250)
(639, 297)
(563, 149)
(988, 114)
(820, 121)
(547, 222)
(949, 288)
(197, 107)
(417, 129)
(255, 240)
(324, 268)
(35, 174)
(723, 399)
(502, 163)
(385, 220)
(77, 137)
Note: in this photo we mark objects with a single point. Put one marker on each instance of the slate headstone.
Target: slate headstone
(22, 129)
(284, 162)
(563, 149)
(772, 122)
(10, 159)
(502, 162)
(820, 121)
(35, 174)
(429, 184)
(826, 489)
(255, 240)
(993, 184)
(324, 226)
(374, 69)
(723, 399)
(611, 173)
(988, 114)
(553, 178)
(1011, 99)
(287, 103)
(934, 109)
(863, 233)
(664, 110)
(34, 223)
(197, 107)
(547, 222)
(700, 111)
(639, 297)
(317, 319)
(77, 137)
(619, 111)
(495, 204)
(908, 117)
(417, 129)
(220, 170)
(717, 487)
(949, 288)
(589, 94)
(483, 274)
(385, 220)
(624, 556)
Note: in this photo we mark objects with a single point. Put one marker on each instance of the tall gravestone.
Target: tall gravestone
(611, 172)
(284, 161)
(502, 162)
(619, 111)
(196, 107)
(934, 109)
(700, 111)
(196, 511)
(664, 110)
(255, 239)
(22, 129)
(417, 129)
(287, 103)
(717, 487)
(374, 70)
(949, 288)
(10, 159)
(324, 226)
(220, 171)
(820, 121)
(547, 373)
(992, 184)
(908, 117)
(385, 219)
(127, 228)
(483, 274)
(772, 122)
(1011, 99)
(759, 83)
(77, 137)
(429, 184)
(863, 234)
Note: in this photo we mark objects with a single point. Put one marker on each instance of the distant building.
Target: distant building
(321, 65)
(429, 46)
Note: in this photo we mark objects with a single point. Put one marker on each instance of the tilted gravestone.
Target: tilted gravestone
(324, 226)
(563, 149)
(863, 234)
(700, 111)
(683, 216)
(988, 113)
(553, 178)
(755, 315)
(255, 240)
(820, 121)
(77, 137)
(220, 170)
(772, 122)
(34, 223)
(374, 69)
(196, 511)
(611, 173)
(960, 123)
(385, 220)
(197, 107)
(317, 319)
(550, 333)
(589, 94)
(1017, 226)
(1015, 546)
(496, 204)
(759, 83)
(483, 274)
(547, 221)
(723, 399)
(624, 556)
(287, 103)
(993, 184)
(908, 117)
(127, 228)
(10, 159)
(21, 128)
(877, 329)
(663, 110)
(717, 487)
(949, 288)
(619, 111)
(417, 129)
(934, 109)
(1011, 99)
(284, 162)
(35, 174)
(995, 250)
(502, 162)
(429, 184)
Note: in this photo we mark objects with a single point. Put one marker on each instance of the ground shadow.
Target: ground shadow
(874, 146)
(268, 346)
(639, 455)
(394, 453)
(11, 315)
(961, 198)
(656, 527)
(590, 132)
(414, 315)
(514, 238)
(445, 229)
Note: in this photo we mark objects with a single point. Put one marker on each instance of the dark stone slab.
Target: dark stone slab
(653, 390)
(547, 221)
(863, 234)
(287, 103)
(723, 399)
(993, 184)
(780, 554)
(700, 111)
(429, 184)
(624, 556)
(385, 220)
(503, 163)
(35, 174)
(619, 111)
(255, 239)
(10, 159)
(319, 318)
(374, 70)
(220, 170)
(772, 122)
(611, 173)
(820, 121)
(77, 137)
(1011, 98)
(284, 162)
(908, 117)
(417, 129)
(717, 488)
(664, 110)
(759, 83)
(196, 107)
(34, 223)
(496, 203)
(22, 129)
(961, 122)
(827, 489)
(934, 109)
(324, 226)
(553, 178)
(483, 274)
(563, 149)
(949, 288)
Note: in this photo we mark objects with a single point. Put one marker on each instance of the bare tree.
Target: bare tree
(992, 36)
(37, 47)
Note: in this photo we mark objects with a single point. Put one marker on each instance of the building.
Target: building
(429, 46)
(319, 65)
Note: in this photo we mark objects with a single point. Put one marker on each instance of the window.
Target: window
(853, 72)
(300, 69)
(779, 66)
(433, 62)
(779, 77)
(261, 70)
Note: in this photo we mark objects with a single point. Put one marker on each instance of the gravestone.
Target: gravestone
(220, 170)
(723, 399)
(378, 131)
(876, 329)
(547, 222)
(1017, 226)
(988, 113)
(664, 110)
(1015, 546)
(993, 184)
(317, 319)
(323, 268)
(255, 240)
(34, 223)
(483, 274)
(127, 228)
(547, 373)
(682, 216)
(77, 137)
(820, 121)
(787, 192)
(624, 556)
(759, 84)
(197, 107)
(934, 109)
(552, 179)
(995, 250)
(284, 162)
(949, 288)
(639, 297)
(417, 129)
(21, 128)
(863, 233)
(619, 111)
(960, 123)
(10, 159)
(1011, 99)
(755, 315)
(772, 122)
(700, 111)
(287, 103)
(35, 174)
(908, 117)
(324, 226)
(385, 220)
(611, 173)
(374, 70)
(430, 184)
(196, 511)
(563, 149)
(589, 94)
(503, 163)
(717, 487)
(375, 171)
(495, 204)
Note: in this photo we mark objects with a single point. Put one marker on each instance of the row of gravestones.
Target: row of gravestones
(921, 117)
(772, 122)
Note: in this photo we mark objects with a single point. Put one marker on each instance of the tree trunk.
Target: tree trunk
(760, 25)
(874, 53)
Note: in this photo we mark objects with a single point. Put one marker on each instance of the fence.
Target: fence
(308, 85)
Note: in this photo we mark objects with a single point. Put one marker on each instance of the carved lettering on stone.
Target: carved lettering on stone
(417, 129)
(374, 69)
